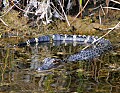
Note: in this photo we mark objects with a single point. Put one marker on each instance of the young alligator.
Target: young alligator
(98, 48)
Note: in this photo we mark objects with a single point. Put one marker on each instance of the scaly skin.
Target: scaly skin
(99, 48)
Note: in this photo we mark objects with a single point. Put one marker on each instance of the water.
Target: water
(18, 71)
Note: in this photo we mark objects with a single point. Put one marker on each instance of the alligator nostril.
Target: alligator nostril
(56, 62)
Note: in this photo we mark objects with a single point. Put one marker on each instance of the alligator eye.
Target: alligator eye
(56, 62)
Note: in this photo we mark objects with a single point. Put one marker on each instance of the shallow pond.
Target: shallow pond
(19, 75)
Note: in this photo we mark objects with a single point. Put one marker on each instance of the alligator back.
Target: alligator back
(61, 38)
(98, 47)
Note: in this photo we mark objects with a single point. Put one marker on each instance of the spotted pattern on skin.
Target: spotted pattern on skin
(98, 48)
(86, 40)
(28, 42)
(74, 37)
(36, 40)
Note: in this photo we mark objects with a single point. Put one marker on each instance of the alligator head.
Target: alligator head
(49, 63)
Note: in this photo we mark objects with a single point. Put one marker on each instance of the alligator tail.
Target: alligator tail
(35, 40)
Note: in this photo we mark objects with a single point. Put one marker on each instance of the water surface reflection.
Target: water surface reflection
(18, 71)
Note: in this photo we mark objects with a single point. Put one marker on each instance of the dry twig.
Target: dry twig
(80, 11)
(112, 8)
(3, 22)
(115, 1)
(116, 26)
(64, 14)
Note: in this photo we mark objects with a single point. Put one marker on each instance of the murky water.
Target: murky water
(18, 71)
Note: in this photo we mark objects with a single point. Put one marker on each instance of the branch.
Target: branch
(112, 8)
(115, 1)
(116, 26)
(7, 11)
(80, 11)
(3, 22)
(64, 13)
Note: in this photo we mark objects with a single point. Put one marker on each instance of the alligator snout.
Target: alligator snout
(49, 63)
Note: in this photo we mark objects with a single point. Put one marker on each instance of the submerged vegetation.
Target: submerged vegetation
(24, 19)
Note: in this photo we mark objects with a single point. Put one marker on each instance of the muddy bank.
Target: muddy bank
(19, 27)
